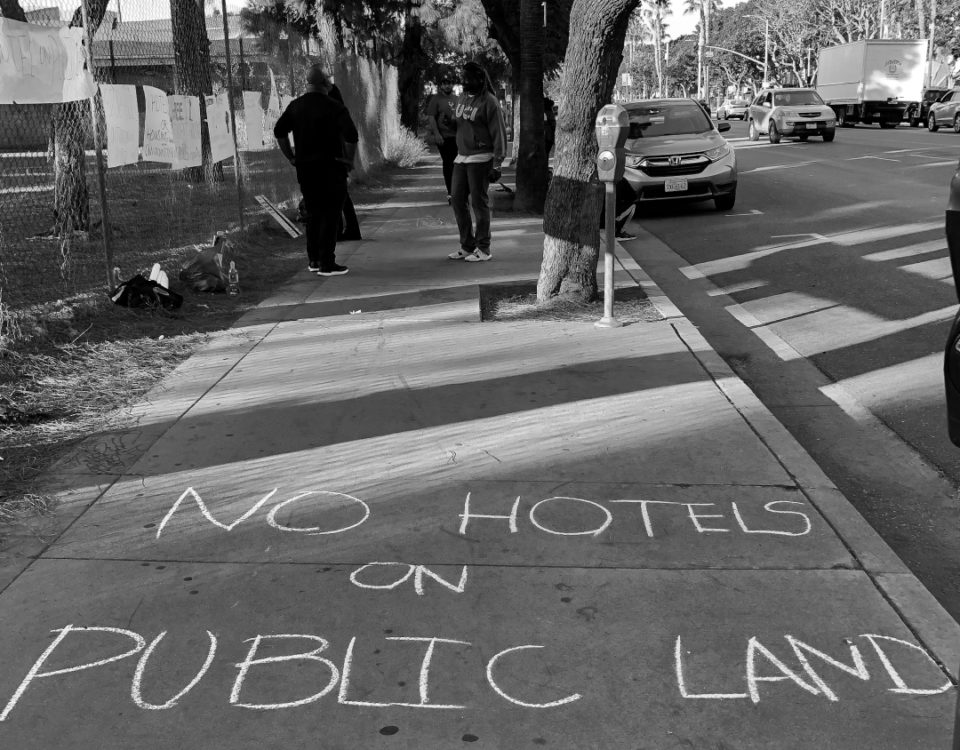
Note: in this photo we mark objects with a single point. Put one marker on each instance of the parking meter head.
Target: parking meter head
(612, 127)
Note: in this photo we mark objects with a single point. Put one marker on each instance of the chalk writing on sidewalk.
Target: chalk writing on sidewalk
(334, 672)
(758, 654)
(785, 518)
(872, 663)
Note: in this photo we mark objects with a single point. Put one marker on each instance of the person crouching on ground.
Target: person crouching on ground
(326, 143)
(481, 146)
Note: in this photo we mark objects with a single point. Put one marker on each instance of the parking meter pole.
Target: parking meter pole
(612, 128)
(608, 321)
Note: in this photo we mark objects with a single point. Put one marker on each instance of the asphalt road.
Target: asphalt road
(828, 289)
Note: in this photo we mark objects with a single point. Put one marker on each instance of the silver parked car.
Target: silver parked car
(673, 152)
(945, 112)
(733, 108)
(790, 112)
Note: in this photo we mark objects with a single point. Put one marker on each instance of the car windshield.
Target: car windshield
(738, 103)
(796, 98)
(662, 118)
(932, 96)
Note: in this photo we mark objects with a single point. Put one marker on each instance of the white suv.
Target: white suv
(790, 112)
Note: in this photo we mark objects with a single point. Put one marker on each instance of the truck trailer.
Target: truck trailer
(873, 80)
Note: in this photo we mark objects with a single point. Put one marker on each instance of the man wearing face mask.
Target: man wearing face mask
(443, 127)
(481, 147)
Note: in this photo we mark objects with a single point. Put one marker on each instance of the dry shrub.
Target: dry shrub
(404, 149)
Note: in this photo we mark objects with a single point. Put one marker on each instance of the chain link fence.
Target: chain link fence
(170, 89)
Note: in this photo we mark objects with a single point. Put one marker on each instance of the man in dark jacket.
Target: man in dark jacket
(326, 141)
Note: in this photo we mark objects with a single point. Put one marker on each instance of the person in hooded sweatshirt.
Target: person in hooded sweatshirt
(481, 147)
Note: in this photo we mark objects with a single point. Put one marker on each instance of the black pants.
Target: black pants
(349, 225)
(324, 197)
(448, 152)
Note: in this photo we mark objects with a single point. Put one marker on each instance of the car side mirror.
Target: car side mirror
(767, 105)
(723, 127)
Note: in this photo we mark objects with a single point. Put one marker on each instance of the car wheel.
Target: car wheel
(725, 202)
(828, 135)
(753, 134)
(914, 122)
(842, 118)
(956, 124)
(932, 124)
(774, 134)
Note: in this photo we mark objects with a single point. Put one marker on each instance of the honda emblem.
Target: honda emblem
(675, 161)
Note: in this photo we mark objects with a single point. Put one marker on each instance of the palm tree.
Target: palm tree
(704, 8)
(651, 19)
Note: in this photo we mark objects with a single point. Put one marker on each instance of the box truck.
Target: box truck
(873, 80)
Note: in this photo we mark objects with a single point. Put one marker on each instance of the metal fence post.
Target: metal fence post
(98, 147)
(233, 115)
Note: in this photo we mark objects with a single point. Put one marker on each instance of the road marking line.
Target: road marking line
(952, 162)
(861, 236)
(743, 286)
(781, 166)
(878, 158)
(905, 252)
(911, 150)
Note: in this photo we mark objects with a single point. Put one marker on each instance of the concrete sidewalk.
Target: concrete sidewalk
(365, 519)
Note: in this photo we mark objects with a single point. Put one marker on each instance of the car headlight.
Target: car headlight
(634, 161)
(718, 152)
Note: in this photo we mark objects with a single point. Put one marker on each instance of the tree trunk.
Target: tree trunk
(516, 83)
(191, 77)
(71, 126)
(11, 9)
(410, 74)
(532, 156)
(571, 218)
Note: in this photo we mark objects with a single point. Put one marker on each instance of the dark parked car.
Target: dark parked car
(918, 112)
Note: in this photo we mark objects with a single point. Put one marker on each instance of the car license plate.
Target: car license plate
(811, 126)
(674, 185)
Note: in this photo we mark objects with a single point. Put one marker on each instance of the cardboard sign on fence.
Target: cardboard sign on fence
(42, 64)
(185, 123)
(123, 123)
(157, 130)
(218, 123)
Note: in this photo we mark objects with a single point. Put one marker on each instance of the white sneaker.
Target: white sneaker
(478, 256)
(459, 255)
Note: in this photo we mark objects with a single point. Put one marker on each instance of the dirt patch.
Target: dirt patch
(518, 301)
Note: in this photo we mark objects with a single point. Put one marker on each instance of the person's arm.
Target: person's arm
(498, 130)
(281, 130)
(433, 112)
(349, 137)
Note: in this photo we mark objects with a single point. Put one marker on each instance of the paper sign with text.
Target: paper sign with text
(157, 130)
(123, 123)
(253, 119)
(218, 123)
(185, 122)
(42, 64)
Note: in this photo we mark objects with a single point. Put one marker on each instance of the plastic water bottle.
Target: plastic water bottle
(233, 280)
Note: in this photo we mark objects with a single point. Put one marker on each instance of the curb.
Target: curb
(920, 611)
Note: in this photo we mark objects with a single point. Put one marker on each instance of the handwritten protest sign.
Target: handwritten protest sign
(185, 124)
(42, 64)
(123, 124)
(273, 111)
(253, 119)
(157, 130)
(218, 123)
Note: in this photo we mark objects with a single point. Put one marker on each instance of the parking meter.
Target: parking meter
(612, 127)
